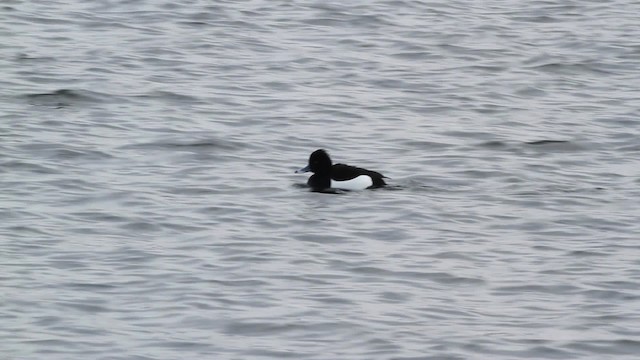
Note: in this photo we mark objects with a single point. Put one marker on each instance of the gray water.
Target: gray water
(149, 208)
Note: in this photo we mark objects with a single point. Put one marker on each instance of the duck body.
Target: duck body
(339, 176)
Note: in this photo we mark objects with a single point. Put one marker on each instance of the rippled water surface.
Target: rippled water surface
(150, 210)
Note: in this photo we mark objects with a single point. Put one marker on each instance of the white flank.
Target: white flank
(358, 183)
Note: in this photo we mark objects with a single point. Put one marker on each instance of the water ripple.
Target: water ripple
(150, 209)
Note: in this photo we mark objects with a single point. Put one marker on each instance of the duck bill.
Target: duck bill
(303, 170)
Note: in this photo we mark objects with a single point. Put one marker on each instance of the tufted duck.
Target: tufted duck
(339, 176)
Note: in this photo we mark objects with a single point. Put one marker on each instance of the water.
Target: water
(150, 210)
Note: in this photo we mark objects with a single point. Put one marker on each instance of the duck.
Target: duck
(327, 175)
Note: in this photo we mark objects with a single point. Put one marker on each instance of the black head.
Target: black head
(319, 163)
